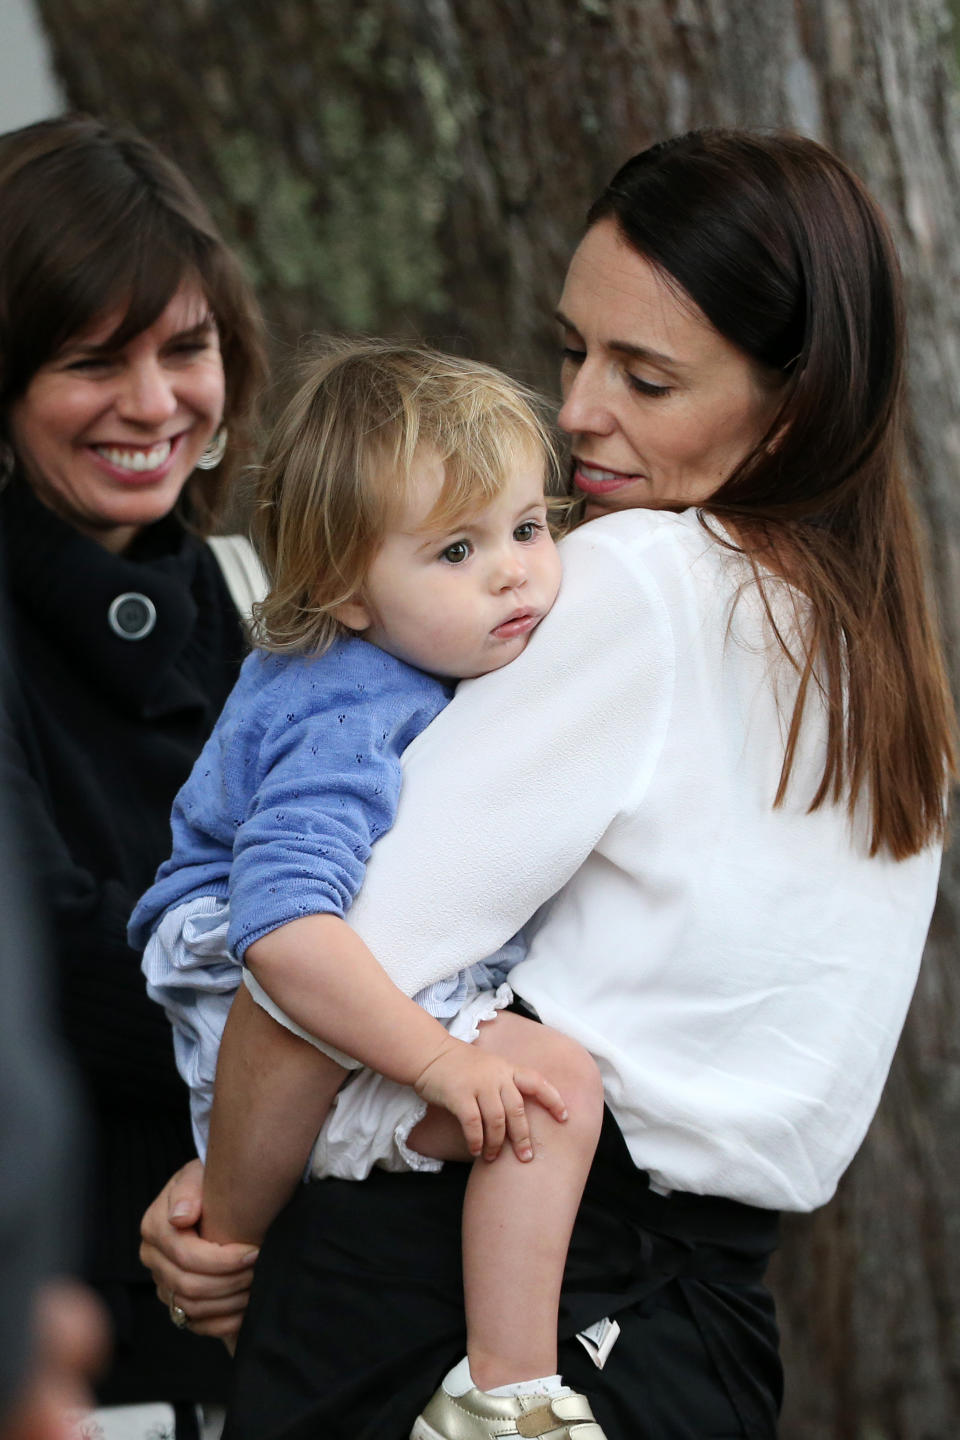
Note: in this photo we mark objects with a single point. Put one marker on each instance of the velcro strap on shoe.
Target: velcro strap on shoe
(572, 1407)
(567, 1410)
(536, 1422)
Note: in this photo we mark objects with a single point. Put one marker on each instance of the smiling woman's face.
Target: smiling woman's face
(108, 438)
(660, 407)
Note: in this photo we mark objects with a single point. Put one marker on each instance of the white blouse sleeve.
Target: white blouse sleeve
(512, 786)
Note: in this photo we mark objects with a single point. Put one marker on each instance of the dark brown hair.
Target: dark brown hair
(92, 219)
(790, 259)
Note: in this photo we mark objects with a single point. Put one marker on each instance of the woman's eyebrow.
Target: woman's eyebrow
(198, 331)
(83, 348)
(627, 347)
(645, 352)
(87, 349)
(80, 350)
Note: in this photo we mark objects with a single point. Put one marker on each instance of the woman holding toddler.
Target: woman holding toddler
(716, 776)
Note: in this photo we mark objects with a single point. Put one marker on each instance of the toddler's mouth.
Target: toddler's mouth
(521, 622)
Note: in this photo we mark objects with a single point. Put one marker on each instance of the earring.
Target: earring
(215, 451)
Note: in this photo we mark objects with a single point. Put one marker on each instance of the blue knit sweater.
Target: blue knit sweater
(299, 778)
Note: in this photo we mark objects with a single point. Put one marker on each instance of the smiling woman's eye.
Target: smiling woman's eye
(456, 553)
(81, 364)
(188, 347)
(571, 355)
(193, 342)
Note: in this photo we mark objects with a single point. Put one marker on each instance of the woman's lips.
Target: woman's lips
(519, 624)
(138, 464)
(594, 481)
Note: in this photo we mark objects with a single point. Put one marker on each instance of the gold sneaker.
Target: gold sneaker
(478, 1416)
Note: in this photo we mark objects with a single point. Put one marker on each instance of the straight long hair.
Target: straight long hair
(790, 259)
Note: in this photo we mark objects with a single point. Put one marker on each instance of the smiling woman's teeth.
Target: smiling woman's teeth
(150, 459)
(592, 472)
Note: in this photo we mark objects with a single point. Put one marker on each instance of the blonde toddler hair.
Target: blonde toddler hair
(339, 462)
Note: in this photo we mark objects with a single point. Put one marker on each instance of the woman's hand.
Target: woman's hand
(486, 1094)
(210, 1283)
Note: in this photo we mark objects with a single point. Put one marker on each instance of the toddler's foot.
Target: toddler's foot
(479, 1416)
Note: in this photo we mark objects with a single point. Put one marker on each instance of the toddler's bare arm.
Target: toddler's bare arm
(321, 974)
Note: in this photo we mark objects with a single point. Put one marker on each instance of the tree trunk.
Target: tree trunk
(392, 165)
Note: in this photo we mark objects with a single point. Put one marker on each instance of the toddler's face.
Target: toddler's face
(464, 601)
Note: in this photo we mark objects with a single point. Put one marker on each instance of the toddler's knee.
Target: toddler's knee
(576, 1075)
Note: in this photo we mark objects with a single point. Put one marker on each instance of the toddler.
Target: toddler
(402, 518)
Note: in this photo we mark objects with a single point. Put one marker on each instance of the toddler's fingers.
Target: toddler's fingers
(494, 1123)
(537, 1087)
(471, 1123)
(518, 1125)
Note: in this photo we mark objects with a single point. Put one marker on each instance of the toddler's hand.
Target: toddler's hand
(485, 1093)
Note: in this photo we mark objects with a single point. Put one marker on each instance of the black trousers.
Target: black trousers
(357, 1310)
(150, 1359)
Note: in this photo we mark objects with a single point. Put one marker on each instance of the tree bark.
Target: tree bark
(424, 165)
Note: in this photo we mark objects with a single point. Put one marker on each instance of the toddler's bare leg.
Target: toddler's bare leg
(273, 1092)
(517, 1217)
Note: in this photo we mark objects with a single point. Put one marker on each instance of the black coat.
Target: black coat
(37, 1122)
(102, 731)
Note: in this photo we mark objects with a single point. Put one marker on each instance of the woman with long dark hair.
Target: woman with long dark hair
(721, 769)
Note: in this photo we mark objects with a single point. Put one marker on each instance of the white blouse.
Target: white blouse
(740, 973)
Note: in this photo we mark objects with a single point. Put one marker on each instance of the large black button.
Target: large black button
(132, 616)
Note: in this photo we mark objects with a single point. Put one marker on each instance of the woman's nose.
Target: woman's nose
(585, 410)
(147, 395)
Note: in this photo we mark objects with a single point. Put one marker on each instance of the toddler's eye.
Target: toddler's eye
(456, 553)
(527, 531)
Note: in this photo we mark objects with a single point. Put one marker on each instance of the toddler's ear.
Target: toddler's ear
(354, 614)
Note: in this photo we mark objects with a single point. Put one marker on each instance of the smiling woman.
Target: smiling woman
(129, 344)
(108, 437)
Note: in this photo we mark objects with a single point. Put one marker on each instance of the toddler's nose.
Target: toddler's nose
(510, 573)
